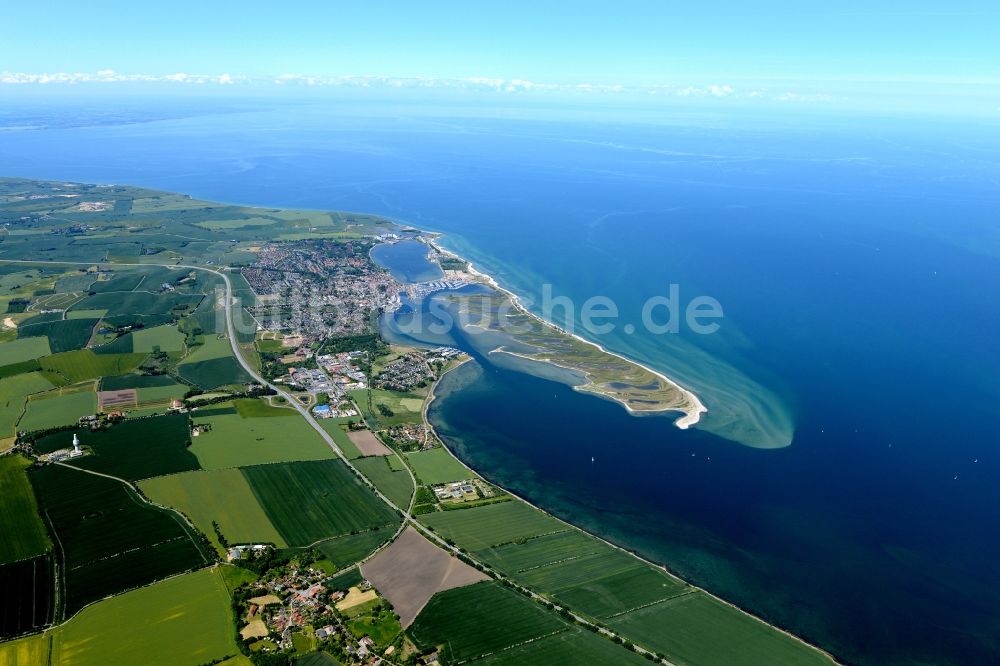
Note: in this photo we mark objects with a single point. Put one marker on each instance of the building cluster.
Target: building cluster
(414, 369)
(463, 491)
(345, 369)
(320, 289)
(312, 380)
(65, 454)
(409, 436)
(405, 373)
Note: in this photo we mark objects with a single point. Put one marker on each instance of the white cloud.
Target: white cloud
(482, 84)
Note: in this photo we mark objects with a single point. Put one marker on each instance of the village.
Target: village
(300, 608)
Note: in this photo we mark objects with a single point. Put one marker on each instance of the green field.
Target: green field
(311, 501)
(602, 584)
(20, 368)
(63, 335)
(382, 628)
(212, 347)
(493, 524)
(131, 450)
(127, 381)
(184, 620)
(234, 576)
(476, 620)
(253, 408)
(109, 539)
(76, 366)
(212, 374)
(28, 651)
(396, 485)
(234, 441)
(574, 646)
(23, 532)
(528, 554)
(139, 306)
(405, 407)
(151, 389)
(23, 349)
(436, 466)
(696, 628)
(57, 408)
(348, 447)
(345, 580)
(165, 338)
(28, 599)
(85, 314)
(13, 394)
(350, 548)
(642, 602)
(223, 496)
(160, 394)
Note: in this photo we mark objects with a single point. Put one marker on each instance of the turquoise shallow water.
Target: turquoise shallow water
(857, 268)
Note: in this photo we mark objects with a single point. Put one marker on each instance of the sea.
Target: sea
(843, 483)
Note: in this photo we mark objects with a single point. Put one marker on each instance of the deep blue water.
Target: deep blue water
(857, 264)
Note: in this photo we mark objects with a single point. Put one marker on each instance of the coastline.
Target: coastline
(691, 415)
(432, 396)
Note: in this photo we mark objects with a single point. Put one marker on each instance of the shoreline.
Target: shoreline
(432, 396)
(691, 415)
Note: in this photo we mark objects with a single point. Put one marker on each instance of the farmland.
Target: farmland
(63, 335)
(641, 602)
(77, 366)
(23, 349)
(235, 441)
(165, 338)
(490, 525)
(152, 389)
(412, 569)
(348, 447)
(574, 646)
(23, 532)
(118, 382)
(697, 628)
(436, 466)
(213, 373)
(405, 407)
(396, 485)
(212, 347)
(19, 368)
(127, 307)
(24, 651)
(538, 551)
(311, 501)
(57, 408)
(28, 599)
(466, 621)
(134, 449)
(110, 539)
(349, 548)
(13, 394)
(221, 496)
(182, 620)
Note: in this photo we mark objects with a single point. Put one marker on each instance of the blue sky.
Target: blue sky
(847, 49)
